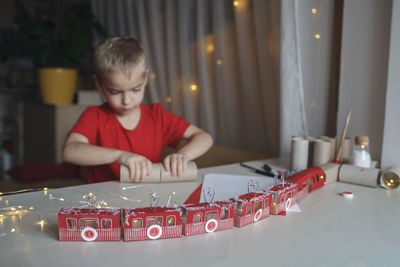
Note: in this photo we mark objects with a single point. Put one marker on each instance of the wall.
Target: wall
(391, 140)
(363, 73)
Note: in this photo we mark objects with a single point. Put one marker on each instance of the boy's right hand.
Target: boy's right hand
(139, 166)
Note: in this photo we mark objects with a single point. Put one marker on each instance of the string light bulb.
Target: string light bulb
(317, 36)
(314, 11)
(219, 62)
(236, 3)
(169, 99)
(193, 87)
(153, 76)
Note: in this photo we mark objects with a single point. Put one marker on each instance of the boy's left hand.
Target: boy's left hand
(176, 163)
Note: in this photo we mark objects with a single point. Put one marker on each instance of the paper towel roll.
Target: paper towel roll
(360, 176)
(299, 154)
(322, 152)
(158, 174)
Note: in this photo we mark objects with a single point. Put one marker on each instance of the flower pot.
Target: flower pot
(57, 85)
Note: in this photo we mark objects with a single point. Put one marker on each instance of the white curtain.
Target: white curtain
(260, 73)
(213, 63)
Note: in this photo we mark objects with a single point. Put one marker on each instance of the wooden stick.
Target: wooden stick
(339, 152)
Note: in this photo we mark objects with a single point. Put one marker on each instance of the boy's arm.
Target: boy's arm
(199, 143)
(77, 150)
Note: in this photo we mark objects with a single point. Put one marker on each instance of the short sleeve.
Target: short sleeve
(88, 124)
(173, 127)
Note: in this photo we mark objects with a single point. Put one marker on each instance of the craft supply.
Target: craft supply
(299, 154)
(332, 141)
(340, 146)
(390, 178)
(331, 171)
(361, 156)
(160, 175)
(348, 195)
(263, 172)
(322, 152)
(360, 176)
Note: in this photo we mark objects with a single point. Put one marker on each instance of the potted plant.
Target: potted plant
(58, 41)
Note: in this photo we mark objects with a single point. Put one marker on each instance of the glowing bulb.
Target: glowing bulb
(31, 208)
(45, 189)
(322, 177)
(219, 62)
(210, 48)
(12, 208)
(173, 193)
(314, 11)
(153, 76)
(169, 99)
(317, 36)
(236, 3)
(42, 222)
(123, 188)
(19, 207)
(90, 194)
(1, 193)
(125, 198)
(193, 87)
(391, 181)
(12, 230)
(61, 199)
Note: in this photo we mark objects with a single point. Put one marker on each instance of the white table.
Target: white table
(330, 231)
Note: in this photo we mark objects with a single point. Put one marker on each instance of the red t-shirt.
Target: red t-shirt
(156, 129)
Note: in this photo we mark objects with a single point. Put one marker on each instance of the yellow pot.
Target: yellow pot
(57, 85)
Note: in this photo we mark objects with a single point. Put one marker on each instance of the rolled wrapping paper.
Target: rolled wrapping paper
(346, 150)
(159, 175)
(390, 178)
(322, 152)
(331, 172)
(359, 176)
(332, 141)
(299, 155)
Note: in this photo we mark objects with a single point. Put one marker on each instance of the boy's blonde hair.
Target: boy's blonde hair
(118, 54)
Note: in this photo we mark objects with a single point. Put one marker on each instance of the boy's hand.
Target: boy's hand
(139, 166)
(176, 163)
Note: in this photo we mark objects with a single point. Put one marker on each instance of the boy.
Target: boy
(124, 131)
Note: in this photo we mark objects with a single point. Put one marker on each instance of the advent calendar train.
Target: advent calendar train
(151, 223)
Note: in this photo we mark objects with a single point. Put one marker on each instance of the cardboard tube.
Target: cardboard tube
(310, 150)
(332, 141)
(331, 172)
(189, 175)
(346, 150)
(360, 176)
(158, 174)
(322, 152)
(299, 155)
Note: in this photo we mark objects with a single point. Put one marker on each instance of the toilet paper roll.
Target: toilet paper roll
(332, 141)
(299, 154)
(331, 172)
(158, 174)
(360, 176)
(390, 178)
(310, 150)
(322, 152)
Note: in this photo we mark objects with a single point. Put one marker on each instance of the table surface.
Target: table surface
(330, 230)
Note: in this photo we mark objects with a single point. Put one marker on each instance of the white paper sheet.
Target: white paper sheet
(227, 186)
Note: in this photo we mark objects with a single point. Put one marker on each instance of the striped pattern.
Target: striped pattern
(241, 221)
(131, 234)
(65, 234)
(199, 228)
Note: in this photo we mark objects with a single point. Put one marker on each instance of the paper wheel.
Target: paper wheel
(258, 214)
(288, 203)
(154, 231)
(89, 234)
(211, 225)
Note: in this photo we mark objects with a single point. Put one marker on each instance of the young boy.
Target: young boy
(123, 130)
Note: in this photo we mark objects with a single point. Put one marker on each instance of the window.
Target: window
(106, 223)
(197, 218)
(88, 223)
(171, 220)
(211, 215)
(71, 223)
(153, 220)
(248, 210)
(282, 198)
(317, 178)
(257, 206)
(224, 214)
(266, 203)
(137, 224)
(313, 179)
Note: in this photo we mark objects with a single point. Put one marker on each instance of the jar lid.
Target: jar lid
(361, 140)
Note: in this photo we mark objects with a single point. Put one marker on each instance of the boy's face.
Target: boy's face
(124, 93)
